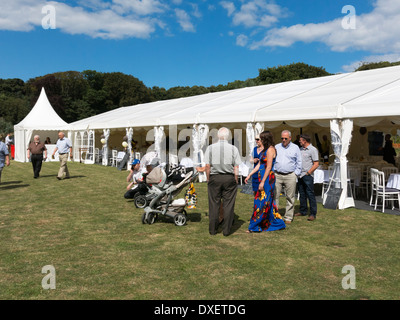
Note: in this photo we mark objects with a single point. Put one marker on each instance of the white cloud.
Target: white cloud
(20, 15)
(241, 40)
(255, 13)
(139, 7)
(229, 6)
(375, 32)
(184, 20)
(115, 19)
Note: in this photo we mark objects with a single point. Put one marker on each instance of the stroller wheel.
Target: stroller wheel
(140, 202)
(180, 219)
(151, 217)
(144, 220)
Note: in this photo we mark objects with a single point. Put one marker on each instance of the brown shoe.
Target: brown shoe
(311, 218)
(299, 214)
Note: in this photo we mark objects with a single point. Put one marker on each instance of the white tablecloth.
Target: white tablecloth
(321, 176)
(50, 148)
(394, 181)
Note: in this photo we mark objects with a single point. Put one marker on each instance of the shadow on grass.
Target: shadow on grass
(9, 182)
(9, 187)
(194, 216)
(73, 177)
(237, 224)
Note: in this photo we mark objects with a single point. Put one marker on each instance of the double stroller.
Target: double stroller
(163, 187)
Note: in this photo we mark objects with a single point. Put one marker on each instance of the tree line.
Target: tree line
(77, 95)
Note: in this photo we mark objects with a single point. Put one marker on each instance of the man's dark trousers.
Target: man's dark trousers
(36, 164)
(306, 191)
(221, 187)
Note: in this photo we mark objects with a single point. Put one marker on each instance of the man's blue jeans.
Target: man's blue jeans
(306, 191)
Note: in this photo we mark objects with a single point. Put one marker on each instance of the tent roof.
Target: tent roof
(42, 116)
(363, 94)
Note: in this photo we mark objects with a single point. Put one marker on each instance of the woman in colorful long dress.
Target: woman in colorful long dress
(256, 157)
(265, 212)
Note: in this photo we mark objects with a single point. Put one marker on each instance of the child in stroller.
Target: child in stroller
(165, 186)
(135, 178)
(171, 175)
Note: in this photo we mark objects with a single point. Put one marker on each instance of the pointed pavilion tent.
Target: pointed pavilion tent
(42, 117)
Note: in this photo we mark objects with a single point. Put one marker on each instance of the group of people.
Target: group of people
(37, 153)
(276, 166)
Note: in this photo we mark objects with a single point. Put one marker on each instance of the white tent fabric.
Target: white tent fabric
(129, 134)
(341, 136)
(106, 133)
(358, 95)
(42, 117)
(158, 139)
(199, 135)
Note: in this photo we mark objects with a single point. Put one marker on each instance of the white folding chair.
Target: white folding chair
(96, 155)
(352, 174)
(385, 193)
(365, 180)
(120, 156)
(373, 177)
(388, 170)
(114, 154)
(325, 183)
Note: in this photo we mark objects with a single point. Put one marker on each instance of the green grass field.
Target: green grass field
(100, 249)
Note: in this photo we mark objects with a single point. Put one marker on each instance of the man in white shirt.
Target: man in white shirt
(63, 146)
(287, 169)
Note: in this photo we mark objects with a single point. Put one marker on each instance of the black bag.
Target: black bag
(332, 198)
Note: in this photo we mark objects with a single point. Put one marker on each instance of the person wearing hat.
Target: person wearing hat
(135, 176)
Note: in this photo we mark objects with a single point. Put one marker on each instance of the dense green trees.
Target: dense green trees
(377, 65)
(77, 95)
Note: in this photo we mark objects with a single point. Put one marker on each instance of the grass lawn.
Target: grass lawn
(100, 249)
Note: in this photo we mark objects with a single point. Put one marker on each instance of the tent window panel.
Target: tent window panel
(375, 142)
(78, 142)
(90, 146)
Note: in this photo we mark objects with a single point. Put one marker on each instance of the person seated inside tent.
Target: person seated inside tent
(47, 141)
(134, 178)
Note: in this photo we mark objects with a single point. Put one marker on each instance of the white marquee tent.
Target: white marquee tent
(337, 102)
(365, 96)
(42, 118)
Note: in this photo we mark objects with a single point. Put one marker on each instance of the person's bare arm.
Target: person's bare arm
(256, 168)
(314, 167)
(236, 173)
(270, 157)
(208, 169)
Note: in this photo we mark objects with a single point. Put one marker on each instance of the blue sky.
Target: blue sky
(187, 43)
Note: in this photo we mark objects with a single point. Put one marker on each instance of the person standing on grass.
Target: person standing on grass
(310, 162)
(4, 157)
(255, 156)
(287, 169)
(265, 212)
(63, 146)
(35, 154)
(222, 168)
